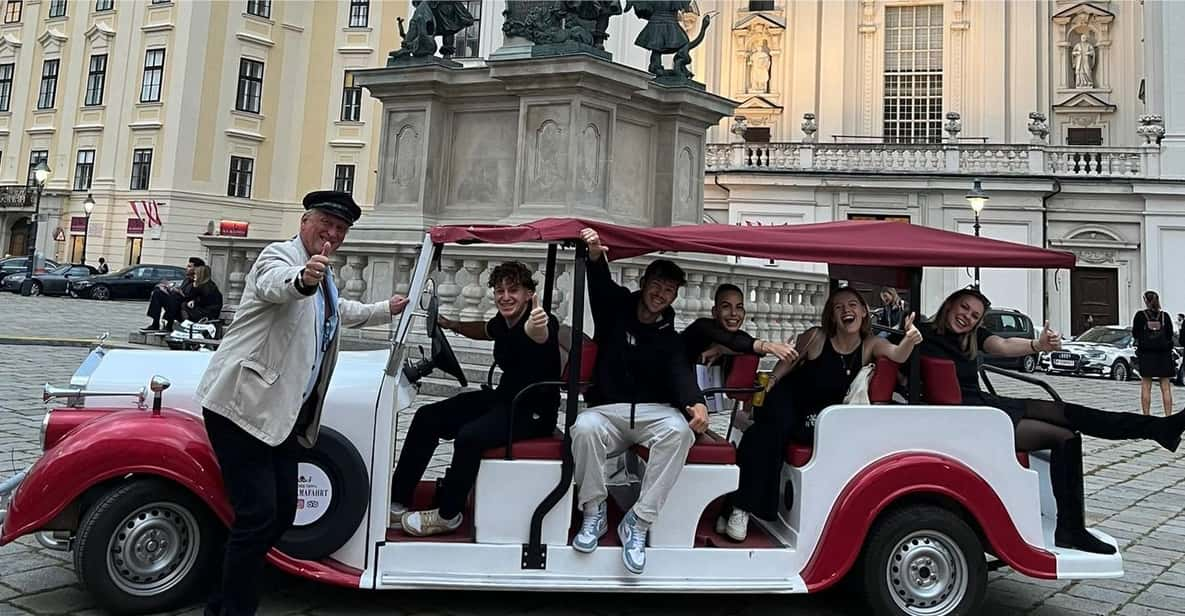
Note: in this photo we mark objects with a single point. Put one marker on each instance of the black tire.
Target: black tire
(1120, 370)
(35, 288)
(349, 483)
(949, 572)
(101, 292)
(144, 517)
(1028, 364)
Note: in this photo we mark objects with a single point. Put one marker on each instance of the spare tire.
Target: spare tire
(332, 495)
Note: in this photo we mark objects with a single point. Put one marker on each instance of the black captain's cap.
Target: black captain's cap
(335, 202)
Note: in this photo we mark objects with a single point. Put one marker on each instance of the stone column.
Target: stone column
(1164, 47)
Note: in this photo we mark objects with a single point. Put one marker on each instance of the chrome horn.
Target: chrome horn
(74, 396)
(158, 385)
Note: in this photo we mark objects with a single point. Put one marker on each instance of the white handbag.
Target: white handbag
(858, 390)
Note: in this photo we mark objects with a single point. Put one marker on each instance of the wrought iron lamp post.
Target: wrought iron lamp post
(40, 175)
(88, 206)
(977, 198)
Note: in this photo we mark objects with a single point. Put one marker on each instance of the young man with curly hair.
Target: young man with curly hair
(526, 348)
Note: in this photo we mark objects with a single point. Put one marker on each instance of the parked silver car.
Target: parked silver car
(1104, 350)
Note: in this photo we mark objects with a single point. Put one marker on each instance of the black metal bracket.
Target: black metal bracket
(534, 558)
(984, 369)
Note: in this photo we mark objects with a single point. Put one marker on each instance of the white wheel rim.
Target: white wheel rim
(927, 574)
(153, 549)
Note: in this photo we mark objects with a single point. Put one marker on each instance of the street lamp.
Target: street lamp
(88, 206)
(977, 198)
(40, 175)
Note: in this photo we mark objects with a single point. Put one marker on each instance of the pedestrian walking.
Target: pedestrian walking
(262, 393)
(1152, 330)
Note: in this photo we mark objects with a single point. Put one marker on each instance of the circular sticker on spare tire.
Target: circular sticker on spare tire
(314, 493)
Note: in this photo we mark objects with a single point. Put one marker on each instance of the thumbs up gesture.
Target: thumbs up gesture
(536, 325)
(315, 267)
(1050, 340)
(912, 335)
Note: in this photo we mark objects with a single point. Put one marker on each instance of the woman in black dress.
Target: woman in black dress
(1152, 329)
(955, 334)
(829, 359)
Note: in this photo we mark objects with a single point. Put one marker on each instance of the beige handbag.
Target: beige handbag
(858, 391)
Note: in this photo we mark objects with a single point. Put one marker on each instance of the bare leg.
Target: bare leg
(1166, 395)
(1146, 395)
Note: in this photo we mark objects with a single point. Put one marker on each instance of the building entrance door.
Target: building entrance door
(18, 238)
(1094, 298)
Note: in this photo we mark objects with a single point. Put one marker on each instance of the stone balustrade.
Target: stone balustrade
(1006, 159)
(781, 303)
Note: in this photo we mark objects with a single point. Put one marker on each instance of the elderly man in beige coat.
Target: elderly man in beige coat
(262, 393)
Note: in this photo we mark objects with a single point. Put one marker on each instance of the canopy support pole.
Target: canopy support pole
(549, 277)
(915, 360)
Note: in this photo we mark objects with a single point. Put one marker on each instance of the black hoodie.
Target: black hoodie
(636, 362)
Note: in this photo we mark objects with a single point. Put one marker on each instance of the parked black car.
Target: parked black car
(53, 282)
(1009, 323)
(13, 265)
(134, 282)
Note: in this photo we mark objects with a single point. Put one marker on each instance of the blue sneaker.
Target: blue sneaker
(595, 525)
(633, 542)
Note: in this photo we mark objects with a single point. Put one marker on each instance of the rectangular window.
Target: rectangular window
(84, 170)
(161, 1)
(259, 8)
(1084, 136)
(141, 168)
(761, 5)
(35, 157)
(6, 71)
(351, 100)
(57, 8)
(359, 13)
(469, 40)
(154, 75)
(250, 85)
(241, 171)
(12, 11)
(96, 80)
(913, 74)
(104, 5)
(49, 85)
(343, 178)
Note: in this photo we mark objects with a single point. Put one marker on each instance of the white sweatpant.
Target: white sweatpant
(603, 431)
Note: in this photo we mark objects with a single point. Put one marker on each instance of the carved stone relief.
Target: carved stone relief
(405, 149)
(1095, 255)
(591, 158)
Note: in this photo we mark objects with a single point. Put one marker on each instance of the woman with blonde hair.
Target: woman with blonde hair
(204, 300)
(1152, 330)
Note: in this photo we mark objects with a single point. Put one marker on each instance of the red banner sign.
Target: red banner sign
(232, 228)
(78, 224)
(135, 226)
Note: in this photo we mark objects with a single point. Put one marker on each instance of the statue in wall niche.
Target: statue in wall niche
(1083, 55)
(759, 65)
(663, 35)
(432, 18)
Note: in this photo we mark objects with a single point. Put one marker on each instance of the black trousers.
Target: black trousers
(761, 454)
(260, 481)
(162, 300)
(475, 421)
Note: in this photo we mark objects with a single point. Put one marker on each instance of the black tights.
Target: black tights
(1044, 426)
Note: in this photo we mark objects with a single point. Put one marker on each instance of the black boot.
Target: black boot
(1118, 426)
(1065, 471)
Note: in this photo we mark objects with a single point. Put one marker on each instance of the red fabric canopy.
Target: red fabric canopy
(869, 243)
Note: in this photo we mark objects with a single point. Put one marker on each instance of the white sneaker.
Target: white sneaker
(594, 526)
(395, 519)
(427, 523)
(632, 533)
(738, 525)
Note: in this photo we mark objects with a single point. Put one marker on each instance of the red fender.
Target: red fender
(884, 482)
(172, 445)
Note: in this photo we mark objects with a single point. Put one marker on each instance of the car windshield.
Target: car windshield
(1105, 335)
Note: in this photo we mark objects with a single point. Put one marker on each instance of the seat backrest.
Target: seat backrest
(588, 361)
(940, 381)
(742, 373)
(884, 381)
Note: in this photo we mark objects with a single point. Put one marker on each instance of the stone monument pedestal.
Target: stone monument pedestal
(527, 138)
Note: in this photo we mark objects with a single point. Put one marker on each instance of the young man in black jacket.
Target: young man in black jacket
(643, 392)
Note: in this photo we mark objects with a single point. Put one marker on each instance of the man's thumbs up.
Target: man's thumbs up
(536, 325)
(325, 249)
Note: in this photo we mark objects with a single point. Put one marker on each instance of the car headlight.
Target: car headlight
(1095, 355)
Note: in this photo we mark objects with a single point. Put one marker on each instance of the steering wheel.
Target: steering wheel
(442, 356)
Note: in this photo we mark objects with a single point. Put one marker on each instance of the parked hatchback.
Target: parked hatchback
(1010, 323)
(133, 282)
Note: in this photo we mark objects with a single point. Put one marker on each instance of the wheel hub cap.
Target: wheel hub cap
(927, 574)
(153, 549)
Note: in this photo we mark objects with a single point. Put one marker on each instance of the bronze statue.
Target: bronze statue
(432, 18)
(663, 35)
(593, 16)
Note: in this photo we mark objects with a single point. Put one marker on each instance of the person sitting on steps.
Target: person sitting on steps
(956, 333)
(169, 299)
(204, 300)
(526, 347)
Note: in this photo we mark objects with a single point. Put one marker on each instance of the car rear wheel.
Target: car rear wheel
(1119, 370)
(146, 546)
(35, 288)
(1029, 363)
(101, 292)
(924, 561)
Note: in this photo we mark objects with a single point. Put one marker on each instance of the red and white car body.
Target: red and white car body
(951, 471)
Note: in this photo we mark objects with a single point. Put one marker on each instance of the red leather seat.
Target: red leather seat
(707, 449)
(798, 455)
(940, 381)
(742, 374)
(884, 381)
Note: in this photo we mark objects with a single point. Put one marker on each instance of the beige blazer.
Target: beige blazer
(257, 376)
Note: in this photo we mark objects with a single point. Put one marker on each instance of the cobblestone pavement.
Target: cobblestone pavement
(1134, 493)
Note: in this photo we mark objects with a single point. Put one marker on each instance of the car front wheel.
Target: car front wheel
(35, 288)
(923, 560)
(146, 546)
(101, 292)
(1119, 371)
(1029, 363)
